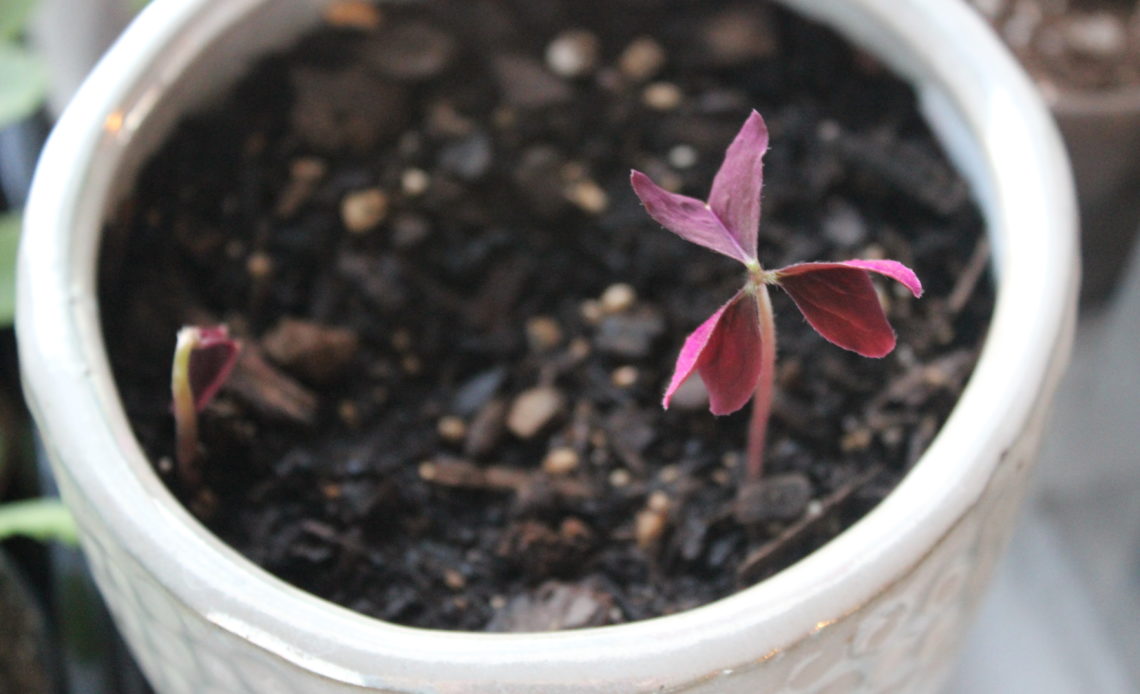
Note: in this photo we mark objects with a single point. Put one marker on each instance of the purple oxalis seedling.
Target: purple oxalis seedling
(734, 350)
(203, 360)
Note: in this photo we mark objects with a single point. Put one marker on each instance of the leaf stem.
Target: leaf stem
(40, 519)
(762, 400)
(185, 412)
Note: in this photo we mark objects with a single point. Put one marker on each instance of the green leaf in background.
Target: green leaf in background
(9, 242)
(14, 16)
(23, 83)
(40, 519)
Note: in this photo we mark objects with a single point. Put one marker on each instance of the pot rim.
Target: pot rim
(988, 116)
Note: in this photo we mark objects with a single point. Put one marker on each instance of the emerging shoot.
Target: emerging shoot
(734, 350)
(203, 360)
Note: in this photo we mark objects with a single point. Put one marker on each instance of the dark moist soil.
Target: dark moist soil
(459, 321)
(1081, 45)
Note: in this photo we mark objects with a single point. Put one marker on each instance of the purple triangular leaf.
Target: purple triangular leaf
(890, 268)
(735, 195)
(839, 301)
(725, 351)
(686, 217)
(211, 362)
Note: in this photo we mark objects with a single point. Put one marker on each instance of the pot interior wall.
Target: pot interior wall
(179, 82)
(184, 78)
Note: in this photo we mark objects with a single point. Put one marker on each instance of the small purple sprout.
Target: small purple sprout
(203, 360)
(734, 350)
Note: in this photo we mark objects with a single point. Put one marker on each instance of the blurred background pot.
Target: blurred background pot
(1102, 134)
(881, 608)
(1084, 56)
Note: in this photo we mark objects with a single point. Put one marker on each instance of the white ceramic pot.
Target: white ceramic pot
(879, 609)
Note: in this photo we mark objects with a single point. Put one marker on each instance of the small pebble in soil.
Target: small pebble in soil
(578, 349)
(682, 156)
(652, 520)
(642, 59)
(620, 478)
(486, 429)
(414, 182)
(363, 210)
(524, 83)
(453, 579)
(274, 394)
(533, 409)
(317, 353)
(451, 429)
(444, 120)
(560, 461)
(543, 334)
(591, 311)
(573, 53)
(410, 51)
(588, 196)
(662, 96)
(856, 440)
(259, 265)
(772, 498)
(669, 474)
(617, 298)
(624, 376)
(307, 169)
(737, 35)
(473, 393)
(353, 14)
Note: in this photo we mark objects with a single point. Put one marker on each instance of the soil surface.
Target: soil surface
(1081, 45)
(458, 320)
